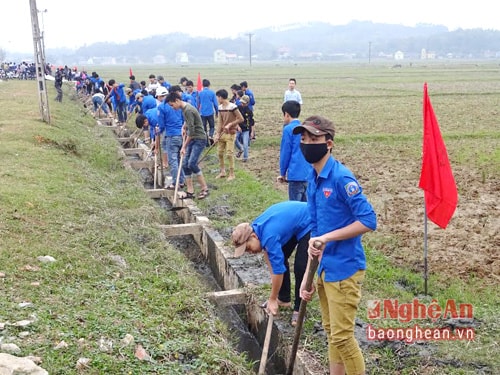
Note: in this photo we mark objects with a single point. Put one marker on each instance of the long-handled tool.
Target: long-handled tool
(265, 347)
(208, 151)
(174, 202)
(155, 172)
(162, 184)
(313, 266)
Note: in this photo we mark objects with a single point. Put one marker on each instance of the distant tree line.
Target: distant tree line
(352, 40)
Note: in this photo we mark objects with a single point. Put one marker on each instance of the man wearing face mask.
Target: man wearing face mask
(340, 215)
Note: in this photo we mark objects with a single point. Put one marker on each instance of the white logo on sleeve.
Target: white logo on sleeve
(352, 188)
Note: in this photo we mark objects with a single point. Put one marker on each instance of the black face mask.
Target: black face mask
(313, 152)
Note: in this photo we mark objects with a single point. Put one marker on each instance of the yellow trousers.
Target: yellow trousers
(339, 303)
(225, 147)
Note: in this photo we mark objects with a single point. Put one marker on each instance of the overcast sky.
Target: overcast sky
(76, 23)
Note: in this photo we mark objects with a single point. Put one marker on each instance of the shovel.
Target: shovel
(302, 311)
(265, 347)
(174, 203)
(155, 174)
(208, 151)
(162, 184)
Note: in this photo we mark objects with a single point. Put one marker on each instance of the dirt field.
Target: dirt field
(469, 245)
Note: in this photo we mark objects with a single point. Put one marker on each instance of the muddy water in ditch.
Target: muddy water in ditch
(234, 316)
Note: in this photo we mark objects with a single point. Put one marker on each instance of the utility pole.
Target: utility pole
(39, 54)
(250, 47)
(369, 52)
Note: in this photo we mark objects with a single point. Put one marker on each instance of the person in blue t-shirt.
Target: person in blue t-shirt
(119, 100)
(145, 102)
(276, 232)
(208, 107)
(170, 123)
(293, 167)
(340, 215)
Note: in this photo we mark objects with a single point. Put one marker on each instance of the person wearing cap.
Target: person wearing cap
(293, 166)
(340, 215)
(243, 131)
(161, 94)
(133, 105)
(145, 102)
(163, 83)
(277, 232)
(247, 91)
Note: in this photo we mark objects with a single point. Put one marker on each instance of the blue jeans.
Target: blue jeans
(99, 102)
(173, 144)
(242, 141)
(297, 191)
(193, 152)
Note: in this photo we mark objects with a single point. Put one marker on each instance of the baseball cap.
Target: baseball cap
(316, 125)
(138, 95)
(161, 91)
(128, 90)
(245, 99)
(239, 237)
(160, 78)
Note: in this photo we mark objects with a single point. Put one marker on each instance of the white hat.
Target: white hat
(161, 91)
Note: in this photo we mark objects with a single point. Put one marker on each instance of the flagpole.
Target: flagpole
(425, 250)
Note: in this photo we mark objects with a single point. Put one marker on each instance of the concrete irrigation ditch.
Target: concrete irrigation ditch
(232, 279)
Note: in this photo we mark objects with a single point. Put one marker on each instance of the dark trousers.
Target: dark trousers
(59, 93)
(211, 126)
(299, 268)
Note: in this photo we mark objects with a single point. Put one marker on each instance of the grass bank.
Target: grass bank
(64, 193)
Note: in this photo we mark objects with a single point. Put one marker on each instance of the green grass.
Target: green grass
(65, 193)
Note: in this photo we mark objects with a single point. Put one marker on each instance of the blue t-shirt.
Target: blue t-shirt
(170, 120)
(277, 225)
(293, 165)
(336, 200)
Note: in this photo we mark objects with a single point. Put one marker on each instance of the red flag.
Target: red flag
(130, 74)
(199, 85)
(436, 177)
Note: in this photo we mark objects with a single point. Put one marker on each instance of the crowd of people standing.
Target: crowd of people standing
(226, 122)
(326, 213)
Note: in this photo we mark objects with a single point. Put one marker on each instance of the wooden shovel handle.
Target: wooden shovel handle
(265, 347)
(313, 267)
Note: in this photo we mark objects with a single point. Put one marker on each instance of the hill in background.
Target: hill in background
(308, 42)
